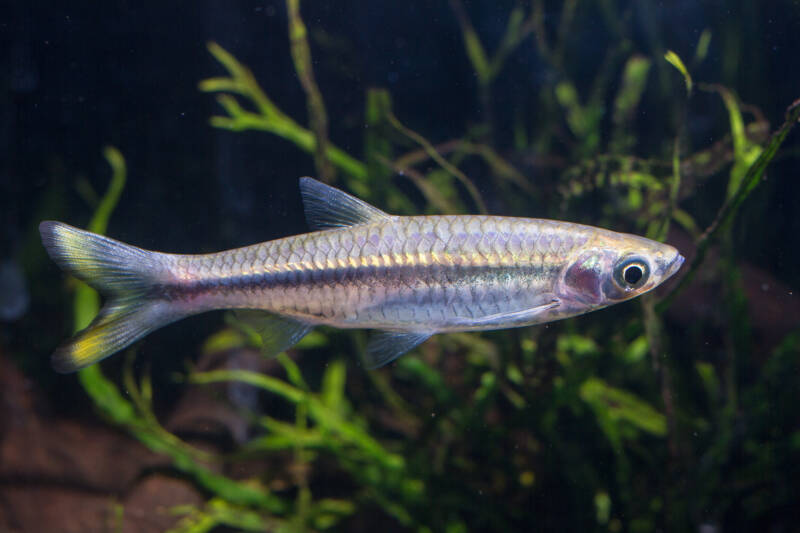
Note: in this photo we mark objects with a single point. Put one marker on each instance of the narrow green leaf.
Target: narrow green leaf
(292, 371)
(675, 60)
(620, 405)
(708, 376)
(602, 505)
(634, 79)
(477, 55)
(703, 43)
(333, 381)
(636, 350)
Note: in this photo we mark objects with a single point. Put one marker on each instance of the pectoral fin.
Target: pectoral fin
(521, 317)
(386, 346)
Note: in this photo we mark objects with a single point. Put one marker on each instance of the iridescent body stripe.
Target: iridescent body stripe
(436, 273)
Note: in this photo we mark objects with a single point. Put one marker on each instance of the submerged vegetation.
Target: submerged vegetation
(618, 422)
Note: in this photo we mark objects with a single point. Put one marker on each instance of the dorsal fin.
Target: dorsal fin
(328, 207)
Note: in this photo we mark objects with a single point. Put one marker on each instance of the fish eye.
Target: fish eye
(632, 273)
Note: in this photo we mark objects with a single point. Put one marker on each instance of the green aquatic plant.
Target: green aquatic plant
(268, 117)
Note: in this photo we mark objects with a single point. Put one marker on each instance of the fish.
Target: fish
(408, 277)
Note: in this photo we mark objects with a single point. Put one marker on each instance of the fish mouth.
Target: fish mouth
(674, 266)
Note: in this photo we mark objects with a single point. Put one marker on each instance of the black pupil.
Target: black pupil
(633, 274)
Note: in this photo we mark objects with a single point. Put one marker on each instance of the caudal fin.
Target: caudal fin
(127, 276)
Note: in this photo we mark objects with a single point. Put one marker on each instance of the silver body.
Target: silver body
(438, 273)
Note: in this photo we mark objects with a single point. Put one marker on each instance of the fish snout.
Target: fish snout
(664, 264)
(673, 266)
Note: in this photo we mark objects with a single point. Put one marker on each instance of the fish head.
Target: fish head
(614, 267)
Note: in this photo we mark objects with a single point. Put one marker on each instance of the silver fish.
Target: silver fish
(409, 277)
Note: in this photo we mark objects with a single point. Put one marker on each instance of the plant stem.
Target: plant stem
(444, 163)
(301, 54)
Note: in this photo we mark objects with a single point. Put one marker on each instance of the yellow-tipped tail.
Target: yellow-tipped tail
(126, 275)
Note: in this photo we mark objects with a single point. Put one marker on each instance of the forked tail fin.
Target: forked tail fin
(127, 276)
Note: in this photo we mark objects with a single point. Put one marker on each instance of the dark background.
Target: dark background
(77, 78)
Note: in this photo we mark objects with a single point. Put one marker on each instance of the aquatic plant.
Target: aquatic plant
(473, 432)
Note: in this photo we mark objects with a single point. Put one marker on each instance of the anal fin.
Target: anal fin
(278, 333)
(386, 346)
